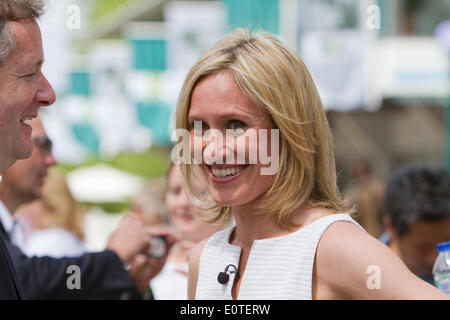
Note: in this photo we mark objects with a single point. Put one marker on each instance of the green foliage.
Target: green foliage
(109, 207)
(413, 6)
(102, 7)
(148, 165)
(152, 164)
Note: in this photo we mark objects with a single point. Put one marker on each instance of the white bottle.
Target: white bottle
(441, 268)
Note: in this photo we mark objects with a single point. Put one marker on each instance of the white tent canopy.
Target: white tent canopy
(103, 183)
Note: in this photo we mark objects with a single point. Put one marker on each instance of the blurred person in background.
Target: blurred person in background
(417, 218)
(366, 192)
(55, 222)
(121, 271)
(149, 205)
(171, 283)
(23, 182)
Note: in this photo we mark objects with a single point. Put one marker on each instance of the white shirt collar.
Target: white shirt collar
(6, 218)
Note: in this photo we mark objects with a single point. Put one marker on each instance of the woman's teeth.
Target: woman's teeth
(220, 173)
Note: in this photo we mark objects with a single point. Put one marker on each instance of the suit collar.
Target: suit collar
(5, 255)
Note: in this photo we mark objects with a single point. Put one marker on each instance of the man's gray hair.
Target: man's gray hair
(15, 10)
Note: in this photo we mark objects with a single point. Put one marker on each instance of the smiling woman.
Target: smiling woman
(293, 236)
(231, 106)
(258, 84)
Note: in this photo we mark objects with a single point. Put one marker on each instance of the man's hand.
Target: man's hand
(130, 239)
(144, 268)
(169, 236)
(141, 272)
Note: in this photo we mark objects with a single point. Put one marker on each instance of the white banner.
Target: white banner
(192, 27)
(335, 60)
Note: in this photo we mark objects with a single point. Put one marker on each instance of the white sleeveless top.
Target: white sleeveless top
(277, 268)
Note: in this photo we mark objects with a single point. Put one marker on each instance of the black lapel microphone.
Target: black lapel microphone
(224, 277)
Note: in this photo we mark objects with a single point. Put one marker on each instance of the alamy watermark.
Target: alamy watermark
(74, 280)
(74, 17)
(236, 147)
(373, 21)
(374, 279)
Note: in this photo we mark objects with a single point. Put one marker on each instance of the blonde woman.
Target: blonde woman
(56, 221)
(171, 283)
(293, 236)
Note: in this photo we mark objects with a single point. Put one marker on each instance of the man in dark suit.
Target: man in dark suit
(9, 282)
(23, 90)
(102, 274)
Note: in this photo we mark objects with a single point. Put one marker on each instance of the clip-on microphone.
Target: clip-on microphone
(224, 277)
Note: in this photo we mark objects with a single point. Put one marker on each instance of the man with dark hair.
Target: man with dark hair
(417, 216)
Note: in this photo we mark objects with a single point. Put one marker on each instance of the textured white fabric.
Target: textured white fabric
(170, 284)
(277, 268)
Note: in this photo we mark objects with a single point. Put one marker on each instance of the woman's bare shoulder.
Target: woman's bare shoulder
(351, 264)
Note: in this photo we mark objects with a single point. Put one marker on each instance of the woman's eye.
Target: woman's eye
(236, 124)
(198, 126)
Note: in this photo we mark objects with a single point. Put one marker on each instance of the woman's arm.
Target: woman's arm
(194, 261)
(351, 264)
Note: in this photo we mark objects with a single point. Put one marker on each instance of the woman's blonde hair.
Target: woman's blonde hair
(63, 211)
(276, 79)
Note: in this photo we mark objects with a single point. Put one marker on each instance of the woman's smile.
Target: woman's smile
(225, 173)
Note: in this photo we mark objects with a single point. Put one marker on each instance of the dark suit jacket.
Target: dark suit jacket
(102, 275)
(9, 282)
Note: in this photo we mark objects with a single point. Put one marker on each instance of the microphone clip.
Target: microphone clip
(224, 277)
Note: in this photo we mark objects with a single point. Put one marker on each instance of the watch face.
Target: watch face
(158, 247)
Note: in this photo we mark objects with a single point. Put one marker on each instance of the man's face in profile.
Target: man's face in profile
(23, 90)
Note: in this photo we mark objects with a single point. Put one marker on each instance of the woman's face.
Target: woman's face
(218, 103)
(182, 211)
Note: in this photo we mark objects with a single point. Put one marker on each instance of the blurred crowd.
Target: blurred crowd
(48, 222)
(42, 230)
(409, 212)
